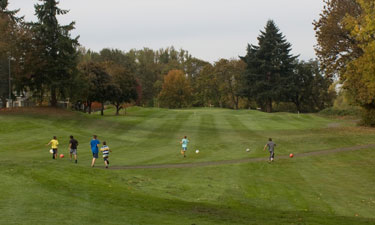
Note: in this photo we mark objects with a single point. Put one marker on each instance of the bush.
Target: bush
(332, 111)
(284, 107)
(368, 117)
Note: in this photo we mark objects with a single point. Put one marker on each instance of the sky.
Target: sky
(208, 29)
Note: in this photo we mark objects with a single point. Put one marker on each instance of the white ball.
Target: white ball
(51, 151)
(197, 151)
(248, 150)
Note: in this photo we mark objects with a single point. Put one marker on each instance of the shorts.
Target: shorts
(54, 150)
(95, 155)
(184, 148)
(73, 151)
(105, 158)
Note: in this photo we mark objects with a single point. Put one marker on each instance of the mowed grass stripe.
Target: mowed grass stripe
(248, 138)
(208, 137)
(130, 137)
(161, 142)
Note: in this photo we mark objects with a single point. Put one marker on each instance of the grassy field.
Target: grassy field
(321, 189)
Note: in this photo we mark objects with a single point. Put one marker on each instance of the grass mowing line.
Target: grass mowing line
(236, 161)
(207, 132)
(166, 134)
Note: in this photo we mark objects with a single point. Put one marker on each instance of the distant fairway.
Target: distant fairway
(335, 188)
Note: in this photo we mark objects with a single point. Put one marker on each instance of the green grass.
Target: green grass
(322, 189)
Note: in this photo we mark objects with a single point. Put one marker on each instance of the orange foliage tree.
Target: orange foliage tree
(176, 91)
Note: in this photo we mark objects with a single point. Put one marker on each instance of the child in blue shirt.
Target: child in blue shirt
(184, 143)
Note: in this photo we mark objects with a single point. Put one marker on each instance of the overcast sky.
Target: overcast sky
(208, 29)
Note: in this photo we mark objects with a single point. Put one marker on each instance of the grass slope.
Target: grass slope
(321, 189)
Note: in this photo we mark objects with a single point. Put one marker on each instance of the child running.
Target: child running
(94, 143)
(105, 150)
(73, 143)
(54, 143)
(271, 148)
(184, 143)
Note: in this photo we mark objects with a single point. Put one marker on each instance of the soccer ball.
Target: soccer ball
(197, 151)
(61, 155)
(248, 150)
(51, 151)
(291, 155)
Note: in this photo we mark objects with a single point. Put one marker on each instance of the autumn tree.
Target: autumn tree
(336, 46)
(359, 75)
(176, 91)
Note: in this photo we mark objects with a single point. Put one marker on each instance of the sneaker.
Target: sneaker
(106, 167)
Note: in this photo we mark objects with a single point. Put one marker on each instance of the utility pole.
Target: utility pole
(10, 88)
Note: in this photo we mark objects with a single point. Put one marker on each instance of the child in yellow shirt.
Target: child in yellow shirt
(54, 143)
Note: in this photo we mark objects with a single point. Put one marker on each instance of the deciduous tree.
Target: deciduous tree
(123, 88)
(176, 92)
(229, 74)
(359, 76)
(336, 46)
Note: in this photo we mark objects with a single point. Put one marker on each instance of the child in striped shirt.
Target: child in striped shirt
(105, 150)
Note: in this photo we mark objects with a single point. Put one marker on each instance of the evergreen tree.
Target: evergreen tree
(57, 50)
(10, 26)
(269, 66)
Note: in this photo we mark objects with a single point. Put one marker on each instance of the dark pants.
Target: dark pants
(54, 152)
(272, 154)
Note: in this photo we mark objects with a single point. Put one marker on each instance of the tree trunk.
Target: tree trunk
(298, 105)
(41, 97)
(269, 106)
(102, 109)
(53, 97)
(89, 106)
(4, 102)
(118, 108)
(236, 102)
(297, 102)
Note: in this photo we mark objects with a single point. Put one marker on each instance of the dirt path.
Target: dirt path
(237, 161)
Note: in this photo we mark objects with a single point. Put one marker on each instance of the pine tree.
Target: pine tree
(57, 50)
(269, 66)
(9, 35)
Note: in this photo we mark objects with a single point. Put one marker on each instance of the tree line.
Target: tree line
(49, 63)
